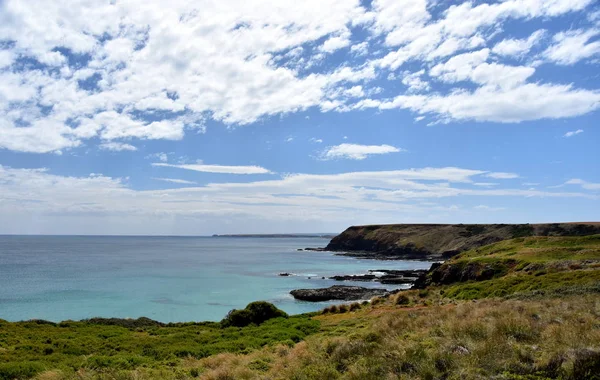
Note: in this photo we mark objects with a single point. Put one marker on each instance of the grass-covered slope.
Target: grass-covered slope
(437, 241)
(525, 308)
(520, 265)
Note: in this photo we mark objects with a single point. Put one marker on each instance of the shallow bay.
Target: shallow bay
(170, 279)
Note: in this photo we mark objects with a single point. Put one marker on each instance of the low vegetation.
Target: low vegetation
(100, 345)
(527, 308)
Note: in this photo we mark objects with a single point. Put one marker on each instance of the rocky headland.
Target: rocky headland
(434, 242)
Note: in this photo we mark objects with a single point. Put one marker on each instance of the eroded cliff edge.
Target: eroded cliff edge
(441, 241)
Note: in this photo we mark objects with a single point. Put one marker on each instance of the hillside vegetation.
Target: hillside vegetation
(440, 241)
(525, 308)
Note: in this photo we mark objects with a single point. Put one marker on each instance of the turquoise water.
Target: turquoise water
(169, 279)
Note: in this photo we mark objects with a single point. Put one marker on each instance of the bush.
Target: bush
(355, 306)
(342, 308)
(19, 370)
(402, 299)
(255, 313)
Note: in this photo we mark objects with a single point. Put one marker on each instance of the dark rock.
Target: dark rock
(360, 277)
(285, 274)
(390, 276)
(337, 292)
(586, 364)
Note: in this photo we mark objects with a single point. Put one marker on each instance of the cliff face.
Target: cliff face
(441, 241)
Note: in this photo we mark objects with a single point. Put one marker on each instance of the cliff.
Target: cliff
(441, 241)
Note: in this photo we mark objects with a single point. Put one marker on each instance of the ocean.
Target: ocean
(169, 279)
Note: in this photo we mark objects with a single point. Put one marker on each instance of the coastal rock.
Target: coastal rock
(389, 276)
(314, 249)
(337, 292)
(285, 274)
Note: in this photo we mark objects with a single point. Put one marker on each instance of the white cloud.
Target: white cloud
(6, 58)
(573, 133)
(117, 146)
(316, 140)
(336, 42)
(501, 175)
(138, 78)
(414, 82)
(217, 168)
(289, 139)
(472, 66)
(506, 105)
(572, 46)
(161, 156)
(355, 92)
(486, 184)
(584, 184)
(174, 180)
(356, 151)
(360, 48)
(518, 47)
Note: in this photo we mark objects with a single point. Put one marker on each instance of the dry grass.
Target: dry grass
(510, 339)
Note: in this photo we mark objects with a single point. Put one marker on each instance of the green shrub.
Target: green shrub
(255, 313)
(19, 370)
(402, 299)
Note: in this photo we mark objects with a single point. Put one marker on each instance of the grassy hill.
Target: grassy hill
(525, 308)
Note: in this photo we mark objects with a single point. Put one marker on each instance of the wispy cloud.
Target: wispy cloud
(356, 151)
(584, 184)
(217, 168)
(373, 196)
(573, 133)
(117, 146)
(174, 180)
(501, 175)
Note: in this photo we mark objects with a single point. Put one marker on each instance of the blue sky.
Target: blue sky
(194, 118)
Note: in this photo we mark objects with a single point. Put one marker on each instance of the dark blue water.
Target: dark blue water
(163, 278)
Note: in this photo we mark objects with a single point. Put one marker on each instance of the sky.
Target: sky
(274, 116)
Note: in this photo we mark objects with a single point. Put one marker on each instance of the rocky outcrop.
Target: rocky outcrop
(337, 292)
(389, 276)
(463, 271)
(440, 241)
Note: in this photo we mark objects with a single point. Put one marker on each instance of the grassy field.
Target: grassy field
(527, 308)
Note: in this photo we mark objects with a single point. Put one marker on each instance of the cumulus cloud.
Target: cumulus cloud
(573, 133)
(518, 47)
(125, 70)
(529, 101)
(573, 46)
(356, 151)
(217, 168)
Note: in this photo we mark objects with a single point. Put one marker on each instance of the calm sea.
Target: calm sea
(169, 279)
